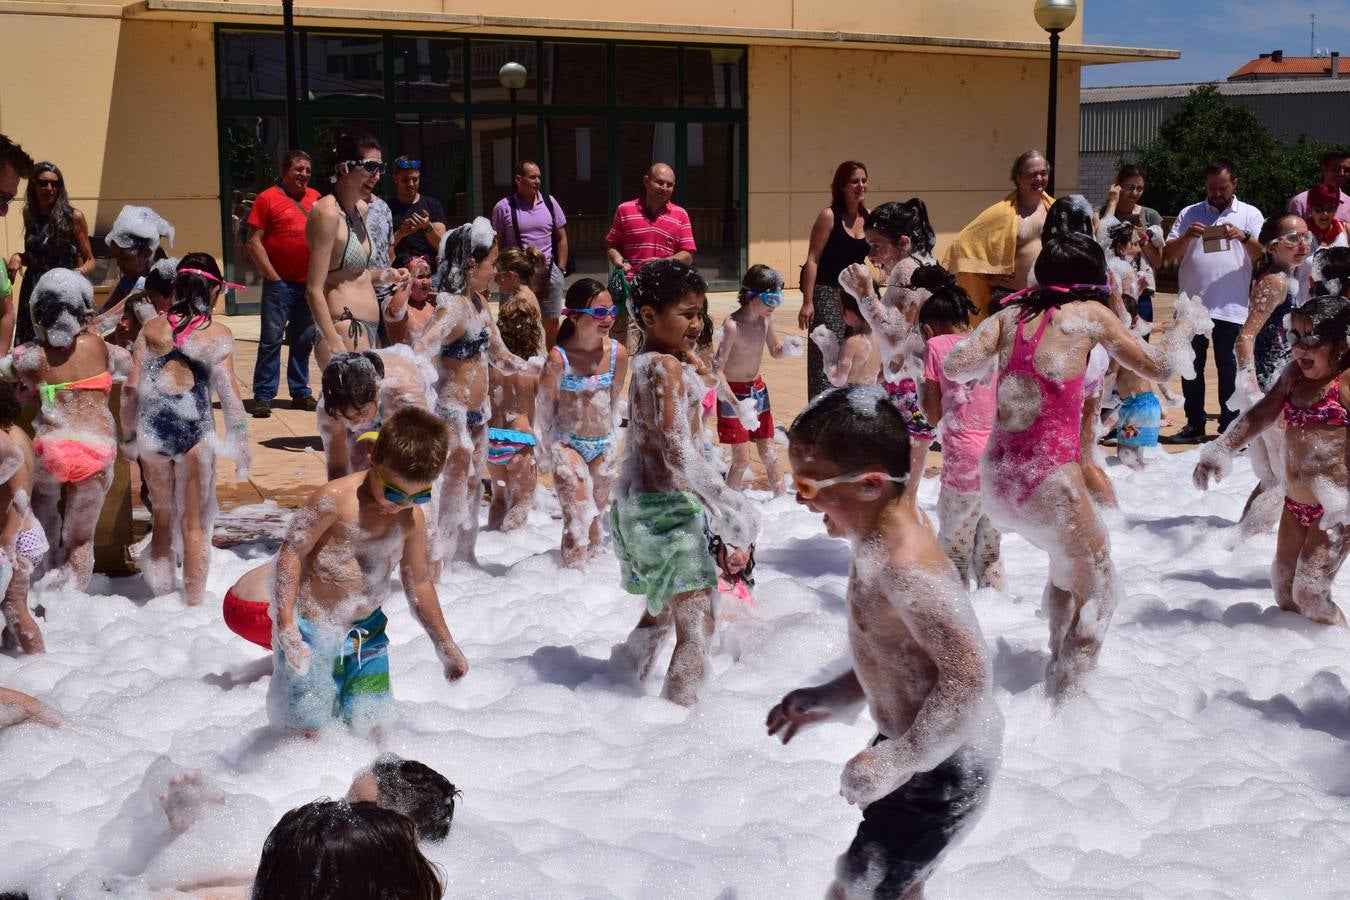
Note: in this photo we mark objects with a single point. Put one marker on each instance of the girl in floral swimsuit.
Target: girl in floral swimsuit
(1311, 396)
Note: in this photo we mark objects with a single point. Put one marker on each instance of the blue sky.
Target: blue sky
(1215, 37)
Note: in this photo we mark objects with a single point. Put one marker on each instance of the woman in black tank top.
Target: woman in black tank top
(836, 243)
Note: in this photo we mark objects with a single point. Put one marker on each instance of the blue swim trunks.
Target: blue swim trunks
(348, 677)
(1140, 417)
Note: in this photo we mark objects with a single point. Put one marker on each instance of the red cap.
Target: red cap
(1324, 195)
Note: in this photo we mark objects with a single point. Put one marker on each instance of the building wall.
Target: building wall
(942, 127)
(1096, 171)
(140, 127)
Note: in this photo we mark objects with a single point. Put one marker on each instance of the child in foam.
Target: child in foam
(464, 340)
(578, 415)
(23, 542)
(965, 416)
(918, 658)
(511, 441)
(743, 413)
(134, 240)
(71, 370)
(1030, 476)
(665, 486)
(409, 308)
(854, 361)
(1139, 413)
(899, 241)
(359, 391)
(333, 573)
(151, 299)
(178, 360)
(1311, 396)
(516, 269)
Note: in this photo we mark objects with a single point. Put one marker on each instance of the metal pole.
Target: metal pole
(1053, 108)
(513, 131)
(288, 38)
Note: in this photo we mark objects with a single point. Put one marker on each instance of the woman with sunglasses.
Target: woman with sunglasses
(578, 414)
(340, 288)
(55, 236)
(179, 358)
(1030, 477)
(1310, 398)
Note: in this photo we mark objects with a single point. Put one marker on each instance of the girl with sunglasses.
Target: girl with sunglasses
(743, 411)
(1310, 398)
(578, 415)
(178, 359)
(1262, 355)
(1030, 477)
(340, 287)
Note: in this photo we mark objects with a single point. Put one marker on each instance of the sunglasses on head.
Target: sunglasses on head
(408, 164)
(771, 299)
(808, 488)
(1311, 340)
(394, 495)
(372, 166)
(597, 312)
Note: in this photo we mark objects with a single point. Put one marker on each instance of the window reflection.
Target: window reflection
(346, 67)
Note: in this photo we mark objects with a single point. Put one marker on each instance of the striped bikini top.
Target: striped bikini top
(577, 383)
(1327, 411)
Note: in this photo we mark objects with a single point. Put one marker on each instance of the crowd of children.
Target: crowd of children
(410, 430)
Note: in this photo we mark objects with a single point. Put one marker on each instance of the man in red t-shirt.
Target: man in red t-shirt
(276, 244)
(651, 227)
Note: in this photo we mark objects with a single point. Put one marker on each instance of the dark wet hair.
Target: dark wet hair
(716, 547)
(1120, 234)
(948, 303)
(413, 443)
(855, 428)
(62, 217)
(14, 156)
(351, 380)
(458, 242)
(1330, 316)
(60, 291)
(761, 279)
(349, 145)
(193, 294)
(843, 173)
(1330, 268)
(908, 219)
(419, 792)
(664, 283)
(850, 304)
(1071, 214)
(10, 407)
(332, 848)
(1066, 259)
(580, 295)
(157, 281)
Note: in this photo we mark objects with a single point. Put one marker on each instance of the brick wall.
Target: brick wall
(1095, 173)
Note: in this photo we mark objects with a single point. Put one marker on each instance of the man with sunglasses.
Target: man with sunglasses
(419, 220)
(15, 165)
(1336, 175)
(276, 244)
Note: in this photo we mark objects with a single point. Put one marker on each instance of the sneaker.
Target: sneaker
(262, 409)
(1188, 434)
(308, 404)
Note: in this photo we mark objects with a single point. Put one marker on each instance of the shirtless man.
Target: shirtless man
(340, 290)
(743, 412)
(919, 659)
(1031, 173)
(333, 573)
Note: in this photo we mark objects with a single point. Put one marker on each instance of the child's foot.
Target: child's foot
(187, 794)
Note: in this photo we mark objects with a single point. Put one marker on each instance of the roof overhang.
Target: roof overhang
(229, 11)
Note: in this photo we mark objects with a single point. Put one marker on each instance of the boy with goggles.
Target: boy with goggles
(918, 658)
(743, 413)
(333, 573)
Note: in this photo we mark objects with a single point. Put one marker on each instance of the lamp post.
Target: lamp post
(513, 76)
(1054, 16)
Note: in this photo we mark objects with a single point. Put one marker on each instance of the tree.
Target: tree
(1208, 127)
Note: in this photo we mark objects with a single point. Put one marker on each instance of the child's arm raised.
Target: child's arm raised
(1172, 355)
(888, 321)
(422, 600)
(836, 359)
(942, 623)
(308, 524)
(807, 706)
(1216, 458)
(976, 355)
(1266, 295)
(236, 444)
(396, 307)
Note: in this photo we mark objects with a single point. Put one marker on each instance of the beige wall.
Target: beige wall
(945, 128)
(134, 122)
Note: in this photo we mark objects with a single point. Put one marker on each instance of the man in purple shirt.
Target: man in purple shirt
(529, 218)
(1335, 172)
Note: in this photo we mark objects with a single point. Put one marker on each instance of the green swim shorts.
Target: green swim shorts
(661, 545)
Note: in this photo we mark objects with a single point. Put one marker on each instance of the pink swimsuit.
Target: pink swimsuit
(1327, 411)
(1020, 461)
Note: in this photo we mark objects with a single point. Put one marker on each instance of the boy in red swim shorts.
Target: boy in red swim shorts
(743, 412)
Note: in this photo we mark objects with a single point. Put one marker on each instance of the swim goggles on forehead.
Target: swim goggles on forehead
(807, 488)
(372, 166)
(1059, 289)
(408, 164)
(209, 277)
(771, 299)
(596, 312)
(394, 495)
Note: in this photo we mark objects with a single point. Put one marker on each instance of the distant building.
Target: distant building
(1275, 65)
(1115, 121)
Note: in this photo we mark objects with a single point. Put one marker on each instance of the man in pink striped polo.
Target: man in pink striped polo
(650, 227)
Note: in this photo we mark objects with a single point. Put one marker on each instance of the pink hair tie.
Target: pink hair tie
(209, 277)
(1058, 288)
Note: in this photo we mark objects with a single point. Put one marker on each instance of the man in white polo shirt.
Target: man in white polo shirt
(1218, 269)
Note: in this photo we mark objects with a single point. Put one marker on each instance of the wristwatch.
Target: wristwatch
(1246, 236)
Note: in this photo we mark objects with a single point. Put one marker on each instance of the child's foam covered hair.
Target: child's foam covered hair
(62, 301)
(664, 283)
(1068, 215)
(472, 241)
(351, 380)
(855, 428)
(1330, 317)
(419, 792)
(138, 229)
(161, 276)
(1063, 260)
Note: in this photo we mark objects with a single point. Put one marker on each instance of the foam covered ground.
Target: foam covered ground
(1208, 760)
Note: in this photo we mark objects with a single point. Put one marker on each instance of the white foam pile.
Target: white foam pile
(1208, 759)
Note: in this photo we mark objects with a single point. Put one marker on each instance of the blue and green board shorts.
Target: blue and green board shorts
(348, 679)
(661, 544)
